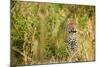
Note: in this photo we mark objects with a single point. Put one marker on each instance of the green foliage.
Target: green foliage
(82, 22)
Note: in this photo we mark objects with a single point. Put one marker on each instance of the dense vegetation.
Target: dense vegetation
(37, 32)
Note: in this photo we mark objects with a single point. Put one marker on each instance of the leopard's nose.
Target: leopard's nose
(73, 30)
